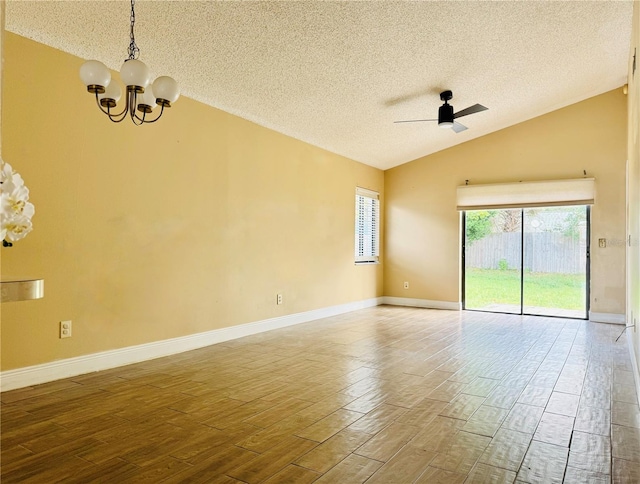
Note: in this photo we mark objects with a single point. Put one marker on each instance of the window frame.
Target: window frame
(367, 227)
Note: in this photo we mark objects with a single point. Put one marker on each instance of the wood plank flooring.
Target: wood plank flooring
(381, 395)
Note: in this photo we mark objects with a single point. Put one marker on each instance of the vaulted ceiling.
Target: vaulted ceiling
(338, 74)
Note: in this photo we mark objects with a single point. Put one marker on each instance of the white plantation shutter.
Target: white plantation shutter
(367, 226)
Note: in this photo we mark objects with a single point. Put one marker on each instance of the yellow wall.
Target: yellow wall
(633, 263)
(154, 232)
(423, 227)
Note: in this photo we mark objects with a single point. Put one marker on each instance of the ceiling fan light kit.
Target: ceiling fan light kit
(446, 116)
(141, 94)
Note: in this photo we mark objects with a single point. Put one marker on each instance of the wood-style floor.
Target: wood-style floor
(382, 395)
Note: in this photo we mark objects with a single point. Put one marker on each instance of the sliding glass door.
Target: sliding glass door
(527, 261)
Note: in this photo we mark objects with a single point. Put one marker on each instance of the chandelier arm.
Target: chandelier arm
(108, 111)
(140, 119)
(114, 117)
(147, 121)
(158, 117)
(132, 99)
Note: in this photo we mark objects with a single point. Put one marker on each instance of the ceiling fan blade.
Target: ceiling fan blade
(457, 127)
(476, 108)
(415, 120)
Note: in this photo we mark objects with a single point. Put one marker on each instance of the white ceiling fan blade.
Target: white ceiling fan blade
(457, 127)
(415, 120)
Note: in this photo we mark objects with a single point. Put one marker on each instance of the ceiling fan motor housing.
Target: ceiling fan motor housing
(445, 115)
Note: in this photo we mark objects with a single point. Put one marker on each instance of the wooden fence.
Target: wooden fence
(544, 252)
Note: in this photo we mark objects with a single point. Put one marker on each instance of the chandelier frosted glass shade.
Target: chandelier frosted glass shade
(95, 73)
(147, 101)
(113, 93)
(135, 73)
(166, 89)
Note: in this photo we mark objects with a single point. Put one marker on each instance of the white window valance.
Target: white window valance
(579, 191)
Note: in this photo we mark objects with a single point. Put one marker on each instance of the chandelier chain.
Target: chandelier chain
(134, 51)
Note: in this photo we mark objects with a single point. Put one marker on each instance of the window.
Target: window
(367, 226)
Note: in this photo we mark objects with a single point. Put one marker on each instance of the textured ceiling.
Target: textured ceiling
(337, 74)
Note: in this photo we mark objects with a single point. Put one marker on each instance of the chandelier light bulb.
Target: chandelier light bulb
(95, 73)
(135, 73)
(166, 89)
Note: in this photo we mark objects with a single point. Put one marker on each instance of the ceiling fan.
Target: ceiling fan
(446, 116)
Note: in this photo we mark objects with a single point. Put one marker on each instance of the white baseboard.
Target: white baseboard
(612, 318)
(421, 303)
(56, 370)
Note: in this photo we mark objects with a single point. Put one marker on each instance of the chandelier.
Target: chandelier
(141, 95)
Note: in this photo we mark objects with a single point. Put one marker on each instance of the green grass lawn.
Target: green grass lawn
(486, 286)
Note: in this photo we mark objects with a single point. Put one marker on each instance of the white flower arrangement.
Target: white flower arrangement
(15, 209)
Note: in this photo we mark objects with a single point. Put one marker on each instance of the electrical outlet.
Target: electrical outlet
(406, 284)
(279, 299)
(65, 329)
(602, 243)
